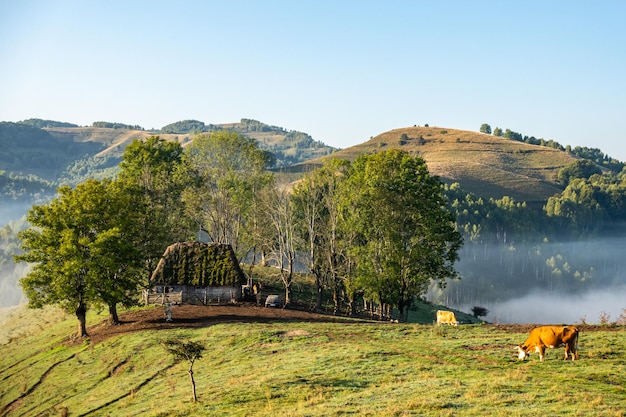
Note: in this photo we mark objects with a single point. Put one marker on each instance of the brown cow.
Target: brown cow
(551, 337)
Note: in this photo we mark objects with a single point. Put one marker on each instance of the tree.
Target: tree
(81, 248)
(485, 128)
(116, 269)
(582, 168)
(153, 170)
(407, 236)
(317, 205)
(189, 351)
(280, 211)
(497, 132)
(231, 172)
(478, 311)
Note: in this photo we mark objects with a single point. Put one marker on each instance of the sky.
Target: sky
(342, 71)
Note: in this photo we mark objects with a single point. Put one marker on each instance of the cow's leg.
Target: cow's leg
(541, 350)
(573, 351)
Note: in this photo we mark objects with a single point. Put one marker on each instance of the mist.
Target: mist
(544, 283)
(543, 308)
(12, 217)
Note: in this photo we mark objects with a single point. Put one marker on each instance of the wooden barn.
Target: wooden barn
(196, 273)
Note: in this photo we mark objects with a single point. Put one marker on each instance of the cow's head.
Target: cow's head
(522, 352)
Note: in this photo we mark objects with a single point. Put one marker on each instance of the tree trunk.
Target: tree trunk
(193, 383)
(81, 315)
(113, 317)
(319, 287)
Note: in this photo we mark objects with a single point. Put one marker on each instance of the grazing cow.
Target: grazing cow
(551, 337)
(446, 317)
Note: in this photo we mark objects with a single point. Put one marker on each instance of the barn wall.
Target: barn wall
(195, 294)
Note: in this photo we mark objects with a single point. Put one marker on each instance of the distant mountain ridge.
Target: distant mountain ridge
(484, 164)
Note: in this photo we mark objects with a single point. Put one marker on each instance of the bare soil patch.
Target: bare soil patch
(195, 316)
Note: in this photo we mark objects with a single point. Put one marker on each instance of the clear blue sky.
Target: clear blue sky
(340, 70)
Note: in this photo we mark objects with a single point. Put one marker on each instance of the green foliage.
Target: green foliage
(181, 350)
(29, 150)
(96, 167)
(407, 236)
(497, 132)
(82, 249)
(579, 169)
(185, 126)
(24, 187)
(41, 124)
(485, 128)
(591, 205)
(597, 156)
(250, 125)
(114, 125)
(155, 171)
(378, 227)
(228, 172)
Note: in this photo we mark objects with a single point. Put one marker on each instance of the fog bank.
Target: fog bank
(548, 308)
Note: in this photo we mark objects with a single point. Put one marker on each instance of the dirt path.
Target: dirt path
(194, 316)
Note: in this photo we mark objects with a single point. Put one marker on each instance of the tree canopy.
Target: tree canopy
(82, 249)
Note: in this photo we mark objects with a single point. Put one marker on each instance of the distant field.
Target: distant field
(300, 367)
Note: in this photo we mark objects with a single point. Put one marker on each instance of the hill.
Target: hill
(289, 147)
(486, 165)
(39, 155)
(267, 362)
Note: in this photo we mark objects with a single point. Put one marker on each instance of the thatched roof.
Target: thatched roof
(198, 263)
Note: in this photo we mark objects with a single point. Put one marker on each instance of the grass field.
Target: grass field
(300, 368)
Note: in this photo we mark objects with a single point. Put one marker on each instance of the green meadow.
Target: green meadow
(291, 368)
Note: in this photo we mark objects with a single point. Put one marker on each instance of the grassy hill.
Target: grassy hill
(300, 367)
(288, 146)
(486, 165)
(111, 141)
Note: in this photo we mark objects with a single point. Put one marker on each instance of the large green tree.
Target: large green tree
(153, 169)
(80, 247)
(407, 235)
(231, 172)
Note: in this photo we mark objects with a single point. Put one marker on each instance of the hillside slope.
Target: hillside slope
(273, 362)
(288, 146)
(486, 165)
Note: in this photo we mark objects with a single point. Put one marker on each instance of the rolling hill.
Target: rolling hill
(486, 165)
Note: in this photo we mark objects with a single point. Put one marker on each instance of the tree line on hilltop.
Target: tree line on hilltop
(583, 152)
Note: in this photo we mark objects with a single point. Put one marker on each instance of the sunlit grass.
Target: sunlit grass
(315, 369)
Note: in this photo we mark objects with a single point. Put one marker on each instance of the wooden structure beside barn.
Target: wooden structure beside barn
(196, 273)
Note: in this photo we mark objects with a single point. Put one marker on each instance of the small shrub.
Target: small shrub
(478, 311)
(621, 320)
(605, 318)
